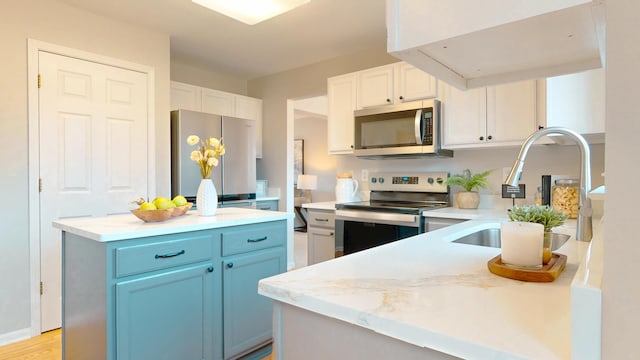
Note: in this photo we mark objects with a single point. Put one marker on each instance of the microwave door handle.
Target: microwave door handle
(418, 127)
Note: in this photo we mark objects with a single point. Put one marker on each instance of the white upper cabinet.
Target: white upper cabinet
(576, 101)
(413, 83)
(473, 44)
(185, 96)
(375, 87)
(341, 96)
(218, 102)
(393, 84)
(196, 98)
(502, 115)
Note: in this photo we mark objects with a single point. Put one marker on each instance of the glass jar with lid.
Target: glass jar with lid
(565, 196)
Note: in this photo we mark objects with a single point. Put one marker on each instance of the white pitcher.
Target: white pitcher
(346, 189)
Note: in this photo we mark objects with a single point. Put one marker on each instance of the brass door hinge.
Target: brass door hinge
(41, 288)
(40, 185)
(39, 81)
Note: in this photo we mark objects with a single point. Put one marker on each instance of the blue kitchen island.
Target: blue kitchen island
(185, 288)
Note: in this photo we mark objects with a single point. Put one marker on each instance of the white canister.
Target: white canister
(346, 189)
(521, 244)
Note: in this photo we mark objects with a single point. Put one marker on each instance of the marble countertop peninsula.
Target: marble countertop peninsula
(433, 293)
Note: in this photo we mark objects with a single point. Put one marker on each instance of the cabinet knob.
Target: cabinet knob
(388, 100)
(401, 97)
(210, 269)
(351, 146)
(481, 138)
(230, 265)
(489, 137)
(540, 127)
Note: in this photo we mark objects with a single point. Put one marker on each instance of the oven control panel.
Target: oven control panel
(422, 182)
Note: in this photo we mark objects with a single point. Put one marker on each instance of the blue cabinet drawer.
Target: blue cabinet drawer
(247, 238)
(188, 249)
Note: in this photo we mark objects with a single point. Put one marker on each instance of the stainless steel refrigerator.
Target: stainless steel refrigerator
(235, 176)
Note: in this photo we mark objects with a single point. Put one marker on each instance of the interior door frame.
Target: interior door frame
(33, 48)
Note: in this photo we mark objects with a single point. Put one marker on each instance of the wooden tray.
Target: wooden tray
(546, 273)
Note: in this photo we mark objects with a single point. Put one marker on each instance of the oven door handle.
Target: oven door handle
(372, 217)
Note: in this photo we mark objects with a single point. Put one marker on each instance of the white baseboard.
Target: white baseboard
(15, 336)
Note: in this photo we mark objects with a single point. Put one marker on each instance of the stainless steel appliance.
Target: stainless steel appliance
(410, 129)
(394, 210)
(235, 177)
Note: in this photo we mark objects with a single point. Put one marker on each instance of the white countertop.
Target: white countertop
(267, 198)
(325, 205)
(430, 292)
(127, 226)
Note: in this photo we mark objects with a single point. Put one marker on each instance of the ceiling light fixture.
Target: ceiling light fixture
(251, 11)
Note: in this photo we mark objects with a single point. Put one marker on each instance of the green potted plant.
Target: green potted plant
(546, 215)
(469, 198)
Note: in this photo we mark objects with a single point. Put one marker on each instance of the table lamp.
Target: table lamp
(307, 183)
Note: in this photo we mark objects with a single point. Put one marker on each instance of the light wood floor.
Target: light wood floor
(47, 346)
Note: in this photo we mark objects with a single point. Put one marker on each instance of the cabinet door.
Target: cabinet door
(218, 102)
(511, 112)
(267, 205)
(413, 83)
(185, 96)
(251, 108)
(463, 116)
(576, 101)
(168, 316)
(375, 86)
(341, 93)
(321, 245)
(247, 315)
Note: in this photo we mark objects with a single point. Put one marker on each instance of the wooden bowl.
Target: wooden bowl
(153, 215)
(181, 210)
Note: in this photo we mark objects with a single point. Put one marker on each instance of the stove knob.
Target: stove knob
(381, 180)
(373, 180)
(440, 181)
(430, 180)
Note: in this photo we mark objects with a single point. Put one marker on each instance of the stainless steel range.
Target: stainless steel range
(394, 210)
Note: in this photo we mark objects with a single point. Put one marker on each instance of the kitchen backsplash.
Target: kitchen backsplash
(541, 160)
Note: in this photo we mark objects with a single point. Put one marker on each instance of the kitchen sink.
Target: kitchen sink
(491, 238)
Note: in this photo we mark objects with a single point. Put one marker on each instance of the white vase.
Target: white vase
(206, 198)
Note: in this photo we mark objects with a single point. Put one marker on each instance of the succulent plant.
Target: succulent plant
(546, 215)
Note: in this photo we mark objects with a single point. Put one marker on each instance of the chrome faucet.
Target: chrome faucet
(584, 230)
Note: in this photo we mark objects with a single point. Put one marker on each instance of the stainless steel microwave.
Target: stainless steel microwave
(410, 129)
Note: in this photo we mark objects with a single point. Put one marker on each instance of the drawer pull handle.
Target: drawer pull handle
(319, 219)
(166, 256)
(257, 240)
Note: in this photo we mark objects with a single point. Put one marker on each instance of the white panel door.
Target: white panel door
(93, 153)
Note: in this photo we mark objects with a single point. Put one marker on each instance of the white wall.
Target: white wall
(59, 24)
(621, 288)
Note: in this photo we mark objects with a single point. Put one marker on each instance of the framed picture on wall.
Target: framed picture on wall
(298, 159)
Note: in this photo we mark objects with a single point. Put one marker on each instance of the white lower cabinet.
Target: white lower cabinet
(321, 240)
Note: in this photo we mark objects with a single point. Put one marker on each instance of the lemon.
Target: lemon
(179, 200)
(148, 206)
(163, 204)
